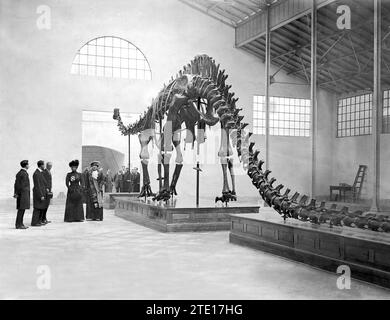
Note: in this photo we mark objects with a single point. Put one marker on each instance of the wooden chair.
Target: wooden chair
(354, 190)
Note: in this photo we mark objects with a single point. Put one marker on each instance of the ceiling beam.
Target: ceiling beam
(340, 57)
(253, 52)
(204, 10)
(223, 12)
(323, 38)
(281, 14)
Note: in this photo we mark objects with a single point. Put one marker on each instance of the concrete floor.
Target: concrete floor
(116, 259)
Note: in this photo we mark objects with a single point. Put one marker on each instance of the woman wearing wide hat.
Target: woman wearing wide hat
(74, 210)
(94, 180)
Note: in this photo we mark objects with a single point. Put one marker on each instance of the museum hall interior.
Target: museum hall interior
(195, 149)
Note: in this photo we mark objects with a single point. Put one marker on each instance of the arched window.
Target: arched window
(111, 57)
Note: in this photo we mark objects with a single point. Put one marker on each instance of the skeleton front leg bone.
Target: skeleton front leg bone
(232, 176)
(225, 154)
(164, 159)
(179, 161)
(171, 134)
(144, 138)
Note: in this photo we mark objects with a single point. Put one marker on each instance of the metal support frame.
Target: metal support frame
(267, 84)
(129, 135)
(332, 46)
(338, 59)
(357, 29)
(354, 53)
(376, 106)
(282, 66)
(304, 69)
(304, 46)
(197, 157)
(340, 51)
(313, 96)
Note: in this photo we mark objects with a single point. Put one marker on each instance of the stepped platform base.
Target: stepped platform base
(366, 252)
(179, 215)
(109, 198)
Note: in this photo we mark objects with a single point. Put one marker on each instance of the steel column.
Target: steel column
(267, 85)
(129, 150)
(376, 107)
(313, 96)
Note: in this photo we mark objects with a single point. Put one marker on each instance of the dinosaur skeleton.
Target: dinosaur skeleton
(199, 96)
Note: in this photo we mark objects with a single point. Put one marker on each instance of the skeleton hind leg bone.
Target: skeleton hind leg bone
(225, 153)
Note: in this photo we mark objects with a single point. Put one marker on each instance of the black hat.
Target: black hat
(74, 163)
(95, 163)
(23, 163)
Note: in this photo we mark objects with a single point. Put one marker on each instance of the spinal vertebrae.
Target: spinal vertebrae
(201, 78)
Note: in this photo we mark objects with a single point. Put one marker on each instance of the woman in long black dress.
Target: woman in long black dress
(74, 210)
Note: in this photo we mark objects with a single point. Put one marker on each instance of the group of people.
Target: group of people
(86, 187)
(127, 180)
(41, 193)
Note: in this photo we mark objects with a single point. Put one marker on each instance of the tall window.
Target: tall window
(386, 112)
(111, 57)
(288, 116)
(354, 116)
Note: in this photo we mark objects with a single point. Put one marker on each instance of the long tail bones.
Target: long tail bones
(301, 209)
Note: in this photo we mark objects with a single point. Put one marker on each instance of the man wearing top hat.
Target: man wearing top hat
(22, 193)
(48, 179)
(39, 195)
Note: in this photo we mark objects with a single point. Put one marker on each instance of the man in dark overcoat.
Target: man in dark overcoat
(22, 194)
(131, 186)
(126, 180)
(137, 178)
(39, 195)
(121, 180)
(108, 182)
(48, 179)
(116, 181)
